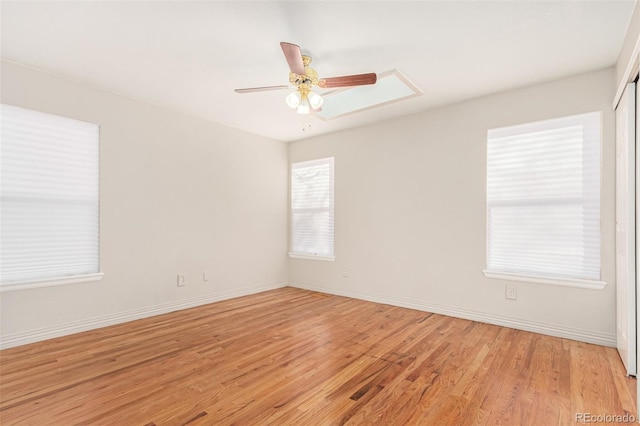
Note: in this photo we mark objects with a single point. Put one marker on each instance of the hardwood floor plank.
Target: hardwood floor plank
(292, 357)
(621, 385)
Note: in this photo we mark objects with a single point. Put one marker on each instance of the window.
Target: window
(543, 201)
(312, 209)
(49, 228)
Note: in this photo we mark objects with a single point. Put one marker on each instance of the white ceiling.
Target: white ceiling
(189, 56)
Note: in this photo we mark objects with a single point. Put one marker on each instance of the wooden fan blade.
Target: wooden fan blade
(262, 89)
(348, 80)
(294, 57)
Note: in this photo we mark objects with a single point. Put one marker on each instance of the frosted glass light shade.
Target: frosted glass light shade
(303, 108)
(315, 100)
(293, 100)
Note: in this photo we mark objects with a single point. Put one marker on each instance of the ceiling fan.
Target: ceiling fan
(303, 78)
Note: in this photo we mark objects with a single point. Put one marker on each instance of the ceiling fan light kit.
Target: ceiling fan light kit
(303, 78)
(303, 99)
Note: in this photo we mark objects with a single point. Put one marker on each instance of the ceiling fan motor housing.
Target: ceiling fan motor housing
(310, 78)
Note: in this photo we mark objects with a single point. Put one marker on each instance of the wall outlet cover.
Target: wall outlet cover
(510, 292)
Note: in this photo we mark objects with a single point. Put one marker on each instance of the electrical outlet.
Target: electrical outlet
(510, 292)
(345, 272)
(205, 276)
(181, 281)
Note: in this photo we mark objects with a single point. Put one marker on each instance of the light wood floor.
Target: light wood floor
(294, 357)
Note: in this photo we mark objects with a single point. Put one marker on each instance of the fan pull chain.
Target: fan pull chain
(306, 124)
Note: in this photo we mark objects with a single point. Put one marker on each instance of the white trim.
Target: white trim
(588, 336)
(312, 257)
(567, 282)
(50, 282)
(630, 71)
(311, 163)
(25, 337)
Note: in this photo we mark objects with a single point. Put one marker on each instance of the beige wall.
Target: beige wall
(177, 195)
(410, 213)
(182, 195)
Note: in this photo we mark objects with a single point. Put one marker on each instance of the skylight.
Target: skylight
(392, 86)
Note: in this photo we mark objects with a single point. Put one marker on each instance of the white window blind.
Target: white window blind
(49, 216)
(543, 198)
(312, 208)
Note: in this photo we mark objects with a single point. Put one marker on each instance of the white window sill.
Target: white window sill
(567, 282)
(24, 285)
(312, 257)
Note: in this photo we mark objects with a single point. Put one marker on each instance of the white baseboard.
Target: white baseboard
(588, 336)
(22, 338)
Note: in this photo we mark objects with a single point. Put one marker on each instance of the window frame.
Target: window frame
(525, 276)
(71, 278)
(331, 208)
